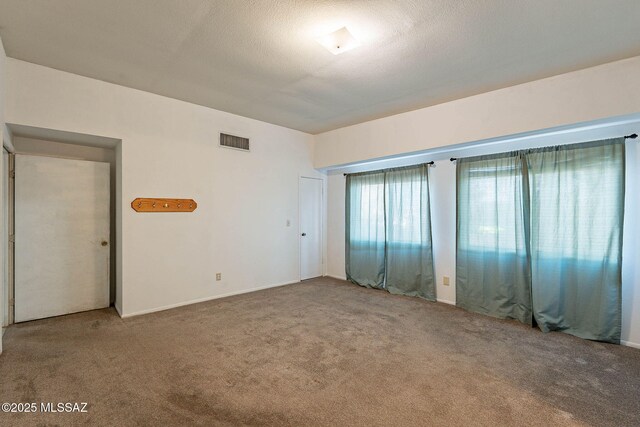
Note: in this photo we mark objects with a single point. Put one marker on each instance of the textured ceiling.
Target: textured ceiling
(259, 58)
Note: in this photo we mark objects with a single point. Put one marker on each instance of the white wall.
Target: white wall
(170, 148)
(41, 147)
(336, 226)
(596, 93)
(604, 91)
(442, 193)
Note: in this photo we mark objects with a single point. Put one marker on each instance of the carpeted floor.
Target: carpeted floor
(322, 352)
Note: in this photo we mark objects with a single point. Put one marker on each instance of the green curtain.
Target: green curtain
(388, 231)
(539, 234)
(492, 260)
(365, 229)
(409, 255)
(577, 208)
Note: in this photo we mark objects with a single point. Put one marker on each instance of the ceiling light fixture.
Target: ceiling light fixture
(339, 41)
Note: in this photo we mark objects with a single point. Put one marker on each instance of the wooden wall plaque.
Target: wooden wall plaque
(163, 205)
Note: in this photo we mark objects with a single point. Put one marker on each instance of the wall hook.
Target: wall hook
(168, 205)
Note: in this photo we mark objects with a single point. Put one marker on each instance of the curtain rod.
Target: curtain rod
(632, 136)
(431, 163)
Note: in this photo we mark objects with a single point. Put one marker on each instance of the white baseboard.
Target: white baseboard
(195, 301)
(630, 344)
(335, 276)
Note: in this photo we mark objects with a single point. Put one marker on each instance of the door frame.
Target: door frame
(322, 255)
(10, 174)
(8, 303)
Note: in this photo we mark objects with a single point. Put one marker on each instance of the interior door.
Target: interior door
(61, 236)
(310, 228)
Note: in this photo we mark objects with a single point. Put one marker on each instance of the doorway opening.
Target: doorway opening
(61, 224)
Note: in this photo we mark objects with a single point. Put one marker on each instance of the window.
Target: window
(490, 202)
(487, 228)
(388, 229)
(540, 236)
(367, 209)
(576, 209)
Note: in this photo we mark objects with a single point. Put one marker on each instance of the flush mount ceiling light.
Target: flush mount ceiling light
(339, 41)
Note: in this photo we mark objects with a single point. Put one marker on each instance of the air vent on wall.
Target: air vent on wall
(232, 141)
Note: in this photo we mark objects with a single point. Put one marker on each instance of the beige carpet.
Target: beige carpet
(322, 352)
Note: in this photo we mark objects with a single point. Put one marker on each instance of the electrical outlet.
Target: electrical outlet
(445, 280)
(218, 277)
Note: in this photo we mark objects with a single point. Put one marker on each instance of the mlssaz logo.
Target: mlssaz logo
(64, 407)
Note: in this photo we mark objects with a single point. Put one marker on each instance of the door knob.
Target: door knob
(304, 234)
(104, 243)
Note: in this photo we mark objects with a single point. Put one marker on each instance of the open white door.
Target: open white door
(310, 228)
(61, 236)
